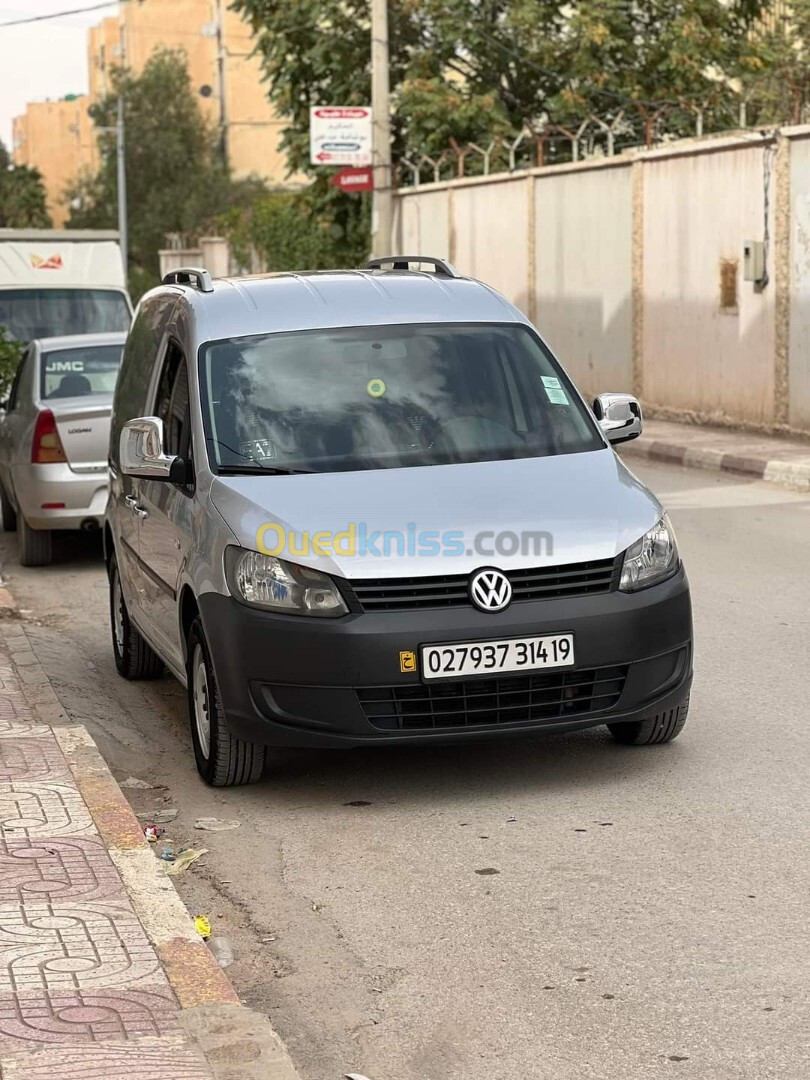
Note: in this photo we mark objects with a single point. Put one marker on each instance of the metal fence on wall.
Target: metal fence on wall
(591, 136)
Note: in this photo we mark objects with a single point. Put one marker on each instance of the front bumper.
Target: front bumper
(299, 681)
(84, 495)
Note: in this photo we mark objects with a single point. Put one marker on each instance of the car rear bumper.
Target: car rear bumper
(56, 497)
(298, 681)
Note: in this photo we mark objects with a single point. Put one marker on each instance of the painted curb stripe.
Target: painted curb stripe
(795, 475)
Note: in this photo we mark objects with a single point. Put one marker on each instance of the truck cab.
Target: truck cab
(61, 282)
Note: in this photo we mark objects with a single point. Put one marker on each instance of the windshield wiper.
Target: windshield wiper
(259, 470)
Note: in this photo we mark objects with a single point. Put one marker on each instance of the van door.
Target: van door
(166, 524)
(143, 358)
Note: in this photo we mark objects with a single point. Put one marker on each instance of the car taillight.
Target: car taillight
(47, 447)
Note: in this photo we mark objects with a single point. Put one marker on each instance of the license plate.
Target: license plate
(481, 657)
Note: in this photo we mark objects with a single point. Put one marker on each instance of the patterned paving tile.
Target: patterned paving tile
(144, 1059)
(74, 946)
(42, 810)
(32, 760)
(13, 706)
(59, 870)
(23, 729)
(82, 1017)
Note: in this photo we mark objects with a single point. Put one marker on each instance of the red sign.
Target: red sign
(52, 263)
(353, 179)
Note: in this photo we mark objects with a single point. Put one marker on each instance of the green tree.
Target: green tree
(22, 196)
(777, 84)
(657, 57)
(176, 180)
(10, 355)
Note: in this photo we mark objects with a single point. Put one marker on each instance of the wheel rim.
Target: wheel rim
(118, 613)
(202, 715)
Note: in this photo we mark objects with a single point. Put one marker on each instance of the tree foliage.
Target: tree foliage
(176, 180)
(778, 84)
(467, 69)
(11, 352)
(314, 229)
(22, 196)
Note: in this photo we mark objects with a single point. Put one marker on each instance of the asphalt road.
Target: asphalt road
(648, 916)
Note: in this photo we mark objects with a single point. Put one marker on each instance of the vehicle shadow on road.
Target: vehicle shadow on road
(455, 774)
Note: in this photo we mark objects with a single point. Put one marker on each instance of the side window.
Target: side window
(172, 402)
(140, 356)
(172, 405)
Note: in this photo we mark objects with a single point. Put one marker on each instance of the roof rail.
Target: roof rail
(195, 276)
(441, 267)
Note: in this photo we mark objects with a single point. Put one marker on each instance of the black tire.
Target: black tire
(133, 657)
(225, 761)
(9, 514)
(661, 728)
(35, 546)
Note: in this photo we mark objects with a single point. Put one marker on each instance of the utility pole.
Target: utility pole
(222, 78)
(382, 204)
(121, 161)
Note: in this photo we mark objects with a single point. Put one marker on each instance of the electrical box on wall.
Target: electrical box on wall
(753, 260)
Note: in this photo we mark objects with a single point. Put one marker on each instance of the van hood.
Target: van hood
(451, 519)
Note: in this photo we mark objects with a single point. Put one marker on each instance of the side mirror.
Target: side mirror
(619, 417)
(141, 450)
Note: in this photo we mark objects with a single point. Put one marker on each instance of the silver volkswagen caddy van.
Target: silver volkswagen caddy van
(361, 507)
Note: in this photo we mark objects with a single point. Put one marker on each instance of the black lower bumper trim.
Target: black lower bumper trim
(297, 681)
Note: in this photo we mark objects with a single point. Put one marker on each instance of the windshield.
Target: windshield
(388, 397)
(42, 313)
(78, 372)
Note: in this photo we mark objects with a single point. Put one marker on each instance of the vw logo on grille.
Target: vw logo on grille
(490, 590)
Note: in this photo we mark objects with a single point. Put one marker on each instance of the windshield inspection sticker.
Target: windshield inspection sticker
(375, 388)
(554, 392)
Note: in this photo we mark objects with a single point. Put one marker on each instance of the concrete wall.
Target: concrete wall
(698, 210)
(799, 369)
(620, 263)
(583, 275)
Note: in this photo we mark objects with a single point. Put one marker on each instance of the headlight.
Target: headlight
(276, 585)
(651, 559)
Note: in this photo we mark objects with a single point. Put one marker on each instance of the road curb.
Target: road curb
(211, 1010)
(786, 473)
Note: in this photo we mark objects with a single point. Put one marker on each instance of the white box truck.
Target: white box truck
(59, 282)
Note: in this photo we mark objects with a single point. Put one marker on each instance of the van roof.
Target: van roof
(271, 303)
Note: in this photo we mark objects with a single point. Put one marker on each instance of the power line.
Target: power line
(60, 14)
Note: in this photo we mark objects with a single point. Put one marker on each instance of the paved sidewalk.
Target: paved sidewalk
(102, 973)
(768, 457)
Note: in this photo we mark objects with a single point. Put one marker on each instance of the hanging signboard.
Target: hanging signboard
(339, 135)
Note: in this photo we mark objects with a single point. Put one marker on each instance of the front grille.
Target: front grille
(450, 590)
(481, 702)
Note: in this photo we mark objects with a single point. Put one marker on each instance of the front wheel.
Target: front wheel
(133, 657)
(661, 728)
(35, 545)
(222, 759)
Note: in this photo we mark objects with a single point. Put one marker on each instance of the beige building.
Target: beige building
(57, 137)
